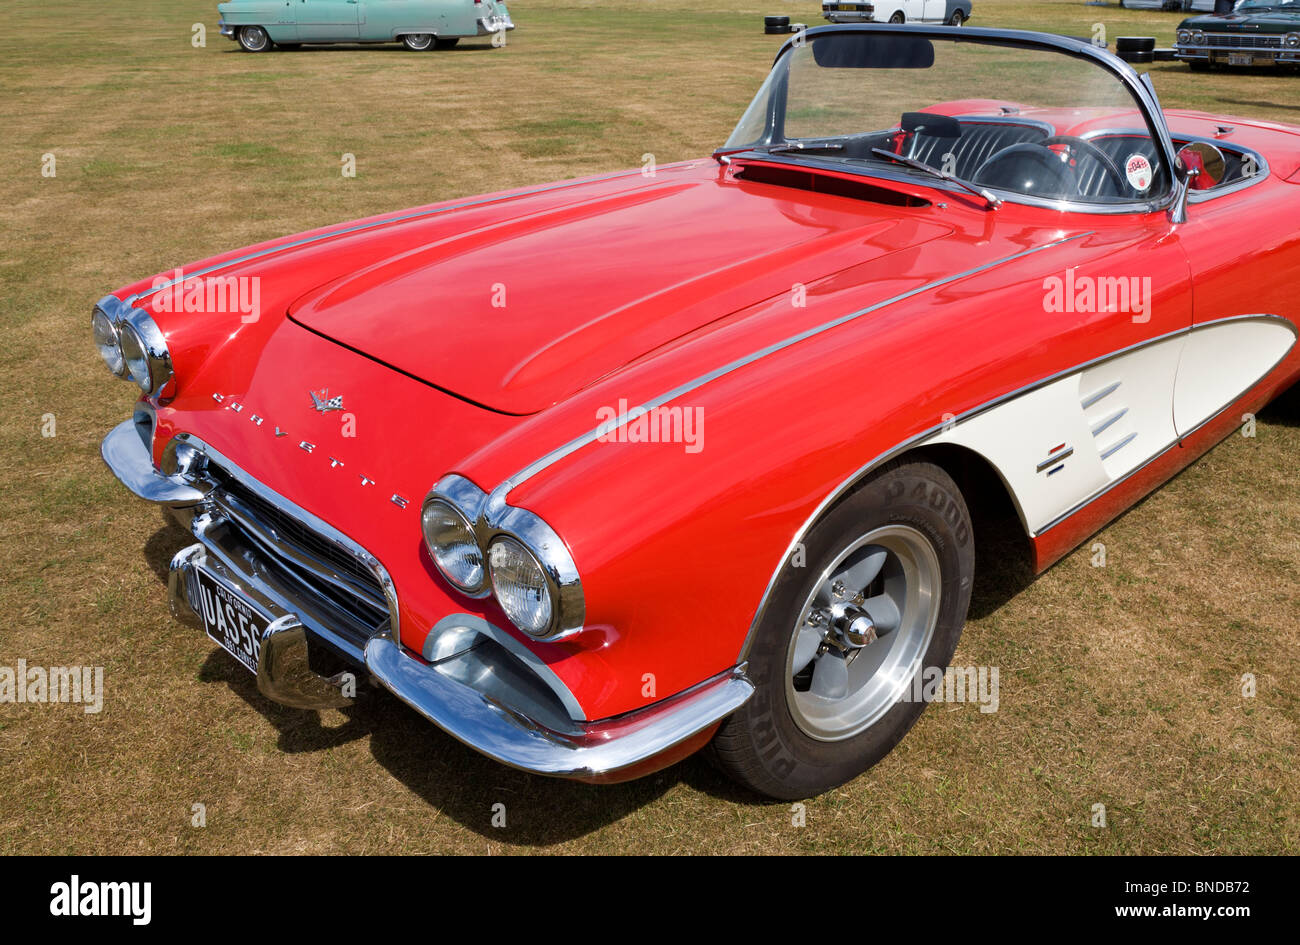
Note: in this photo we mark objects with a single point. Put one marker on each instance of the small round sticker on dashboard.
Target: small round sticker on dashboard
(1138, 171)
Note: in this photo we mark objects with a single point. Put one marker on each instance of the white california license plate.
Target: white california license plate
(230, 620)
(1240, 59)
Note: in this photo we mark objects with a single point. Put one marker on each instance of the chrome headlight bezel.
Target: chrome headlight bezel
(155, 370)
(541, 542)
(1198, 37)
(568, 604)
(1292, 40)
(464, 501)
(139, 340)
(1184, 37)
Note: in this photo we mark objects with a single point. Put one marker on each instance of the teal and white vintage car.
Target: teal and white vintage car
(259, 25)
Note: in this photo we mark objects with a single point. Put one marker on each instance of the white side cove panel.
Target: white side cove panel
(1062, 444)
(1223, 360)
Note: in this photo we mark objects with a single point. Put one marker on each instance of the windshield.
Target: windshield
(1259, 6)
(1024, 121)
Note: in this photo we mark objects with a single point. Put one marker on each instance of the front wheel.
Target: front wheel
(880, 595)
(957, 18)
(417, 42)
(254, 39)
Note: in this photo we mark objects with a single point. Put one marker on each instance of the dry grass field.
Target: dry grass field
(1120, 685)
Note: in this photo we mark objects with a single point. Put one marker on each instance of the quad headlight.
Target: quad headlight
(132, 345)
(452, 544)
(1293, 40)
(137, 361)
(107, 341)
(520, 585)
(483, 549)
(1184, 36)
(1198, 37)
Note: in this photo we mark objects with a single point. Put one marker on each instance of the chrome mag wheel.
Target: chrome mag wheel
(862, 632)
(879, 590)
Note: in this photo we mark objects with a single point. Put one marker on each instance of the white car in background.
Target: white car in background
(952, 12)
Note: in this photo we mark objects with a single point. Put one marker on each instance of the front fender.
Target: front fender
(678, 542)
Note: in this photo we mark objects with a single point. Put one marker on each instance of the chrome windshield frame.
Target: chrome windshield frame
(1139, 86)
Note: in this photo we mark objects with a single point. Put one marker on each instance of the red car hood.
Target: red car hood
(517, 315)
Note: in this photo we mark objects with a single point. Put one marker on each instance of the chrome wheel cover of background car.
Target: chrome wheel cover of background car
(862, 632)
(254, 38)
(418, 40)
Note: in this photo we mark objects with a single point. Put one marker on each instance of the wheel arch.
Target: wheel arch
(995, 513)
(1001, 537)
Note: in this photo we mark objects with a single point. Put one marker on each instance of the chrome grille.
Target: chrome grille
(319, 566)
(1243, 41)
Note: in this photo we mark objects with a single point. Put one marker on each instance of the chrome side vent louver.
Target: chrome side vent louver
(1114, 448)
(1106, 418)
(1099, 428)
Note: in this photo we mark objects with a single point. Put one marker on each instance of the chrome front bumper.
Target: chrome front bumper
(612, 750)
(284, 673)
(472, 680)
(1277, 55)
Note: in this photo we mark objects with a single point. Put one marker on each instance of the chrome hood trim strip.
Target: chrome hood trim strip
(498, 497)
(401, 218)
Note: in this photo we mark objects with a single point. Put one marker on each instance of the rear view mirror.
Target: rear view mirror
(1207, 161)
(873, 51)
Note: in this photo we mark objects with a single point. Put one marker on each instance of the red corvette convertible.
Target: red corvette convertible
(595, 474)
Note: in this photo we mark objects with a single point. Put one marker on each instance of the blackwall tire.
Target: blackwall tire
(775, 744)
(1135, 44)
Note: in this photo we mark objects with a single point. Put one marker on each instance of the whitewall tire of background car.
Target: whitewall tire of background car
(879, 593)
(254, 39)
(418, 42)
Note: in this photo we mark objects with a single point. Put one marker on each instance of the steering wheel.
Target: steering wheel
(1101, 157)
(1028, 168)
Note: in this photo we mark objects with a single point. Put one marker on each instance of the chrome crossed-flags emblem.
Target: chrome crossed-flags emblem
(322, 401)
